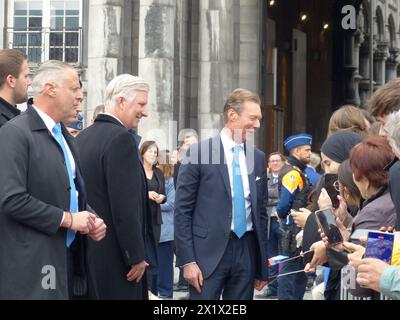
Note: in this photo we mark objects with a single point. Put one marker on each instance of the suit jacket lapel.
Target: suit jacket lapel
(250, 161)
(218, 157)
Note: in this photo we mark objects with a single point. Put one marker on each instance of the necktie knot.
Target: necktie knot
(57, 129)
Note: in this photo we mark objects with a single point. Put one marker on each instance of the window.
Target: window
(46, 29)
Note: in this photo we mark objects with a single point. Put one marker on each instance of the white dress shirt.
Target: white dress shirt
(228, 145)
(50, 123)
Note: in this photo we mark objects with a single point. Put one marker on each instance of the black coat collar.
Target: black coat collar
(8, 110)
(297, 163)
(107, 118)
(37, 124)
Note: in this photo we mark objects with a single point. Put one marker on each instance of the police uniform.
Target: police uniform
(294, 189)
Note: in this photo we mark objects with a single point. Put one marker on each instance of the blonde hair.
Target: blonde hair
(349, 118)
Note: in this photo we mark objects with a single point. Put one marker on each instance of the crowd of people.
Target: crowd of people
(96, 213)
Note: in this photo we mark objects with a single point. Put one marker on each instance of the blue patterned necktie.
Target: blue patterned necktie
(73, 196)
(239, 208)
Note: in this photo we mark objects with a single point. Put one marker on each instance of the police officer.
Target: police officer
(294, 189)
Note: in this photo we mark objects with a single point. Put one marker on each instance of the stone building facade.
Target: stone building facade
(194, 52)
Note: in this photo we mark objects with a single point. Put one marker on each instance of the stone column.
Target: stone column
(216, 61)
(364, 71)
(380, 57)
(105, 45)
(349, 68)
(156, 65)
(391, 64)
(358, 40)
(249, 46)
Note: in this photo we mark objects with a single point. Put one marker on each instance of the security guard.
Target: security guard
(294, 189)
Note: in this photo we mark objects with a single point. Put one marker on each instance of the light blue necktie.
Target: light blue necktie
(73, 196)
(239, 208)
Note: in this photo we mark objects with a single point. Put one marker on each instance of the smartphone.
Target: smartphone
(327, 223)
(330, 180)
(380, 246)
(357, 234)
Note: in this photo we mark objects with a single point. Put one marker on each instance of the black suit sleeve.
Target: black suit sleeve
(122, 168)
(185, 202)
(15, 201)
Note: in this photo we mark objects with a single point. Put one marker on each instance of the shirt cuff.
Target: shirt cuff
(62, 220)
(187, 264)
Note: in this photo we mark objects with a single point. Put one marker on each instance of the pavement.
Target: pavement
(178, 295)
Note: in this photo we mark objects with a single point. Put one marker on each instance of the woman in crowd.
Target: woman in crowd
(367, 160)
(156, 189)
(334, 151)
(166, 244)
(349, 118)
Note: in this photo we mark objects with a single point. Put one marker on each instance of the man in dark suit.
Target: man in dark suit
(220, 215)
(14, 83)
(117, 190)
(42, 196)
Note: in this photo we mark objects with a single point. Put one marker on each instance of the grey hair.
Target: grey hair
(125, 86)
(49, 71)
(392, 123)
(392, 127)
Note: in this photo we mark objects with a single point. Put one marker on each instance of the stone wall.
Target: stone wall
(105, 48)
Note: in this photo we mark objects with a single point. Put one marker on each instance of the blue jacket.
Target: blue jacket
(167, 212)
(203, 206)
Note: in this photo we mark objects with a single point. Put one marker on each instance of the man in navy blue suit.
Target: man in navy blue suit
(220, 208)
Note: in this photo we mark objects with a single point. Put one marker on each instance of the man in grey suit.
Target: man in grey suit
(220, 216)
(42, 195)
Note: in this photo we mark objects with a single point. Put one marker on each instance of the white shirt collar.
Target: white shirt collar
(48, 121)
(227, 142)
(111, 115)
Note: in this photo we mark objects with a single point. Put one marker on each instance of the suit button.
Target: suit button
(69, 189)
(63, 162)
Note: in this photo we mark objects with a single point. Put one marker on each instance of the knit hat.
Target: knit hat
(338, 146)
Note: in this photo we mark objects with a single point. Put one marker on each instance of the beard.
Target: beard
(20, 97)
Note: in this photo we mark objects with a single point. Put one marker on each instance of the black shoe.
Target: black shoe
(180, 287)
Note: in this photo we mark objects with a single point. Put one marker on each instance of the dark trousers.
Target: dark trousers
(152, 269)
(273, 251)
(291, 287)
(165, 280)
(234, 276)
